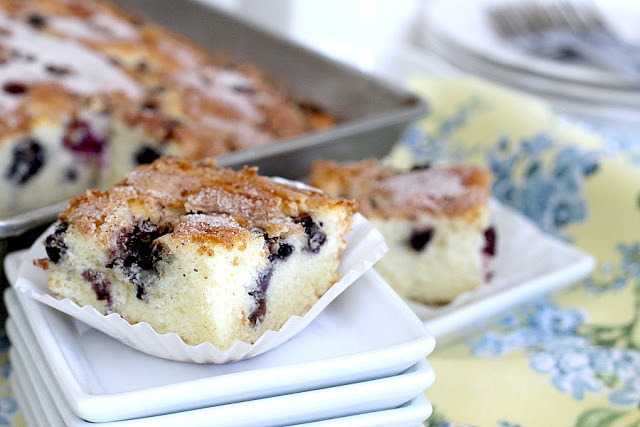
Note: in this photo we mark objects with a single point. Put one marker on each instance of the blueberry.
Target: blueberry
(248, 90)
(490, 242)
(420, 238)
(422, 166)
(54, 243)
(278, 252)
(137, 254)
(79, 137)
(312, 230)
(28, 159)
(284, 251)
(149, 105)
(58, 70)
(146, 155)
(36, 20)
(15, 88)
(259, 295)
(100, 285)
(71, 174)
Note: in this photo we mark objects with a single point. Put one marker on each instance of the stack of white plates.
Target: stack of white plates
(361, 362)
(460, 32)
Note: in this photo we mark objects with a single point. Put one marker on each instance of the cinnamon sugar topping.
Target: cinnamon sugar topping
(35, 51)
(382, 191)
(200, 202)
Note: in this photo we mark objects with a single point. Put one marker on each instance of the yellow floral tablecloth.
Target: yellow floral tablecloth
(572, 359)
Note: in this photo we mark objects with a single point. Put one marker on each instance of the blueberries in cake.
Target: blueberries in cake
(28, 157)
(421, 166)
(80, 138)
(146, 155)
(278, 252)
(37, 21)
(100, 285)
(313, 232)
(490, 242)
(149, 105)
(284, 251)
(248, 90)
(15, 88)
(259, 295)
(420, 238)
(137, 254)
(70, 174)
(54, 243)
(57, 70)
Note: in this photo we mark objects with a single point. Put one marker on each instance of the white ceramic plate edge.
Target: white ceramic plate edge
(381, 394)
(414, 411)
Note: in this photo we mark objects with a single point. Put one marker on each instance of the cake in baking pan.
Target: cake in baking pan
(88, 92)
(436, 221)
(212, 254)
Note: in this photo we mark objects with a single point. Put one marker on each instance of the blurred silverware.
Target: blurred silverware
(565, 30)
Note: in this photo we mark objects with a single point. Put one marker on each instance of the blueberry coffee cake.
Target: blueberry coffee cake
(88, 92)
(436, 222)
(212, 254)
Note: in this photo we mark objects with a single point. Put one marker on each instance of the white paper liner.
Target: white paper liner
(364, 247)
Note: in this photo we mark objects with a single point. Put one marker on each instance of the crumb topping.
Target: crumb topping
(199, 202)
(382, 191)
(36, 58)
(80, 50)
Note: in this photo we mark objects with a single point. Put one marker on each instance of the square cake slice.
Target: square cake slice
(212, 254)
(436, 222)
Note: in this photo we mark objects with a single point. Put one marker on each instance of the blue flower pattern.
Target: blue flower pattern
(575, 366)
(548, 194)
(434, 147)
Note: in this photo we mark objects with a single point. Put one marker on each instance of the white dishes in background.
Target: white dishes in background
(460, 32)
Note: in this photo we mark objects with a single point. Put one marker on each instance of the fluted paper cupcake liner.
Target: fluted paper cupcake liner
(364, 247)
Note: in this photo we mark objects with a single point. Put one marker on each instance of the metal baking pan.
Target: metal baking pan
(371, 114)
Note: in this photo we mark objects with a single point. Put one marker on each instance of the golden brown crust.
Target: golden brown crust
(157, 76)
(195, 198)
(384, 192)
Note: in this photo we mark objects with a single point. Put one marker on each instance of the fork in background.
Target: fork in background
(565, 30)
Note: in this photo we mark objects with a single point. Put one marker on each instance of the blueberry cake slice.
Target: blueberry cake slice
(212, 254)
(88, 93)
(436, 222)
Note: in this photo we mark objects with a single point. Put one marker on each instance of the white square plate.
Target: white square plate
(39, 409)
(346, 400)
(528, 264)
(368, 332)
